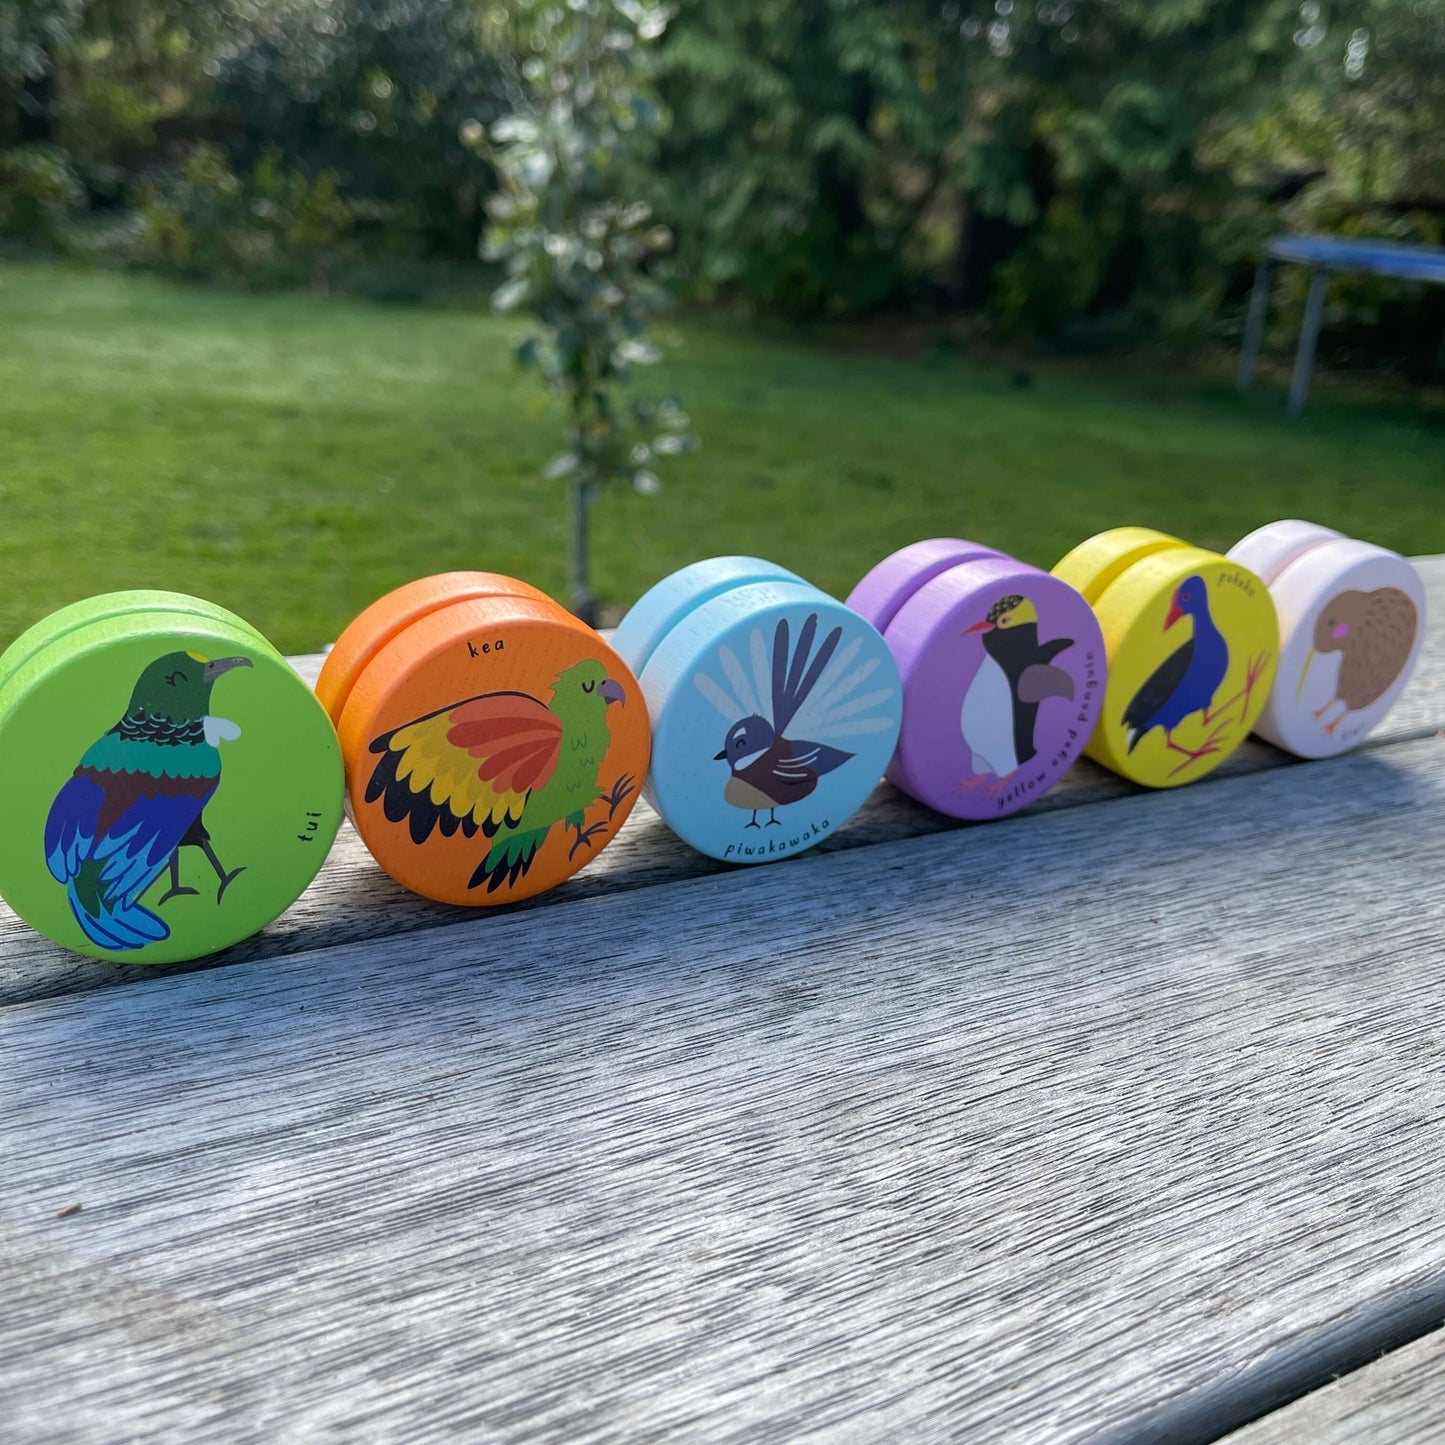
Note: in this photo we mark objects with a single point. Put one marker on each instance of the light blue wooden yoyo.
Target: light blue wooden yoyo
(774, 708)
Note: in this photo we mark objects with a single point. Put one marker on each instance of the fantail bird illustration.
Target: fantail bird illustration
(504, 764)
(768, 769)
(1375, 633)
(1001, 707)
(137, 797)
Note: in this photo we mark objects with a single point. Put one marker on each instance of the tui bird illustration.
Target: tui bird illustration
(136, 799)
(769, 770)
(1001, 707)
(1375, 633)
(505, 764)
(1186, 681)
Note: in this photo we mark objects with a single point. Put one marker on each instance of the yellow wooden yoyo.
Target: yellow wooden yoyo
(1192, 643)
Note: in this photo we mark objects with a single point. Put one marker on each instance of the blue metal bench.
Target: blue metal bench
(1323, 255)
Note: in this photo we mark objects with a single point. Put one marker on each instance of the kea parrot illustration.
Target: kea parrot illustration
(136, 799)
(505, 764)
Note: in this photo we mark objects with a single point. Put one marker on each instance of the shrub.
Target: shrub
(40, 195)
(273, 227)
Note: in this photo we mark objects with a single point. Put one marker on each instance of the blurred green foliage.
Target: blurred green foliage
(274, 226)
(40, 194)
(1062, 166)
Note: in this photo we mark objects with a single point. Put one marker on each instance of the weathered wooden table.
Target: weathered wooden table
(1119, 1120)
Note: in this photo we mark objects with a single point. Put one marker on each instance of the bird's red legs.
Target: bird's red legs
(1257, 665)
(1330, 727)
(985, 783)
(1192, 755)
(621, 790)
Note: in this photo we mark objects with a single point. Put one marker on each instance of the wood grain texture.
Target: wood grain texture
(353, 901)
(998, 1134)
(1397, 1400)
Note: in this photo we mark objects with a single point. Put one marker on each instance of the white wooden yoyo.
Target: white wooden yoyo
(1003, 674)
(1351, 621)
(774, 707)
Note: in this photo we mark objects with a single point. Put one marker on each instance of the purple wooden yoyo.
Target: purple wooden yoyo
(1003, 674)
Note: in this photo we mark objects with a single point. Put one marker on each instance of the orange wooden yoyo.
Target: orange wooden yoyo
(493, 743)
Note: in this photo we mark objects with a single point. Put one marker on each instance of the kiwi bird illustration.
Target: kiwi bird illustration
(1374, 633)
(1001, 707)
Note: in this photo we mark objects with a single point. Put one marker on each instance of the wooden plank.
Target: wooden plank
(1106, 1124)
(352, 901)
(1400, 1398)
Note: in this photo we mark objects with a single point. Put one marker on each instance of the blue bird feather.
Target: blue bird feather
(108, 859)
(1187, 680)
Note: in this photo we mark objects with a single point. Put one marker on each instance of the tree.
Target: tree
(837, 153)
(577, 249)
(1354, 146)
(33, 35)
(377, 91)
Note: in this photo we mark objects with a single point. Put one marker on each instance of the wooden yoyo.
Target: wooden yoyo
(1192, 643)
(774, 708)
(171, 784)
(493, 743)
(1351, 621)
(1003, 674)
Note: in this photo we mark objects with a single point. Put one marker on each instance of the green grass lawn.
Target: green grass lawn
(293, 458)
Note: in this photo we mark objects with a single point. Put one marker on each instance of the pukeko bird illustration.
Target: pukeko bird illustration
(1001, 707)
(136, 799)
(1375, 633)
(507, 765)
(1187, 680)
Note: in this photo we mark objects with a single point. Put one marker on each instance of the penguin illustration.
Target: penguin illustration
(1001, 706)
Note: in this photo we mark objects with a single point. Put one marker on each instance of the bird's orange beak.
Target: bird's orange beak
(978, 627)
(1175, 613)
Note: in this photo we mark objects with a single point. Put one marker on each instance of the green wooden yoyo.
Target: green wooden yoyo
(171, 785)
